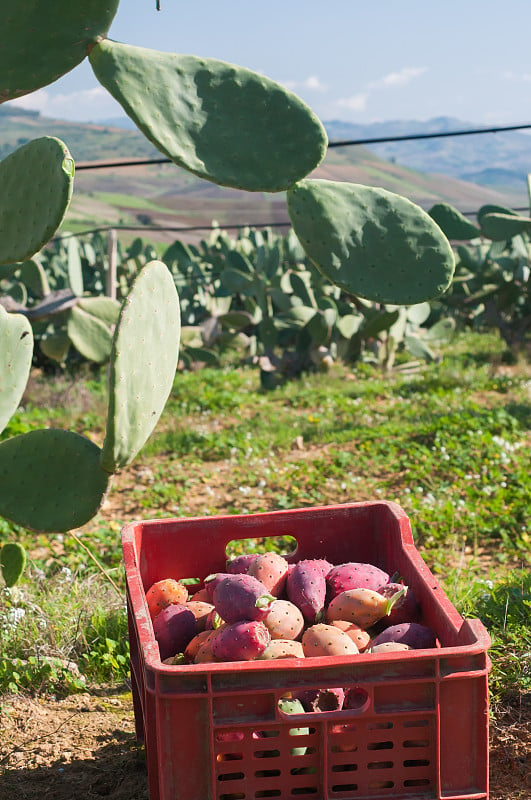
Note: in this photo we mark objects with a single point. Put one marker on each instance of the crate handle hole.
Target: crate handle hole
(285, 545)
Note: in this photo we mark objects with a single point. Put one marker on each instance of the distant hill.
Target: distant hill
(500, 160)
(165, 195)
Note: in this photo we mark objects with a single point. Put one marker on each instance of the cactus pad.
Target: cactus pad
(16, 352)
(143, 363)
(90, 336)
(453, 224)
(220, 121)
(50, 480)
(370, 242)
(37, 182)
(13, 562)
(500, 227)
(38, 44)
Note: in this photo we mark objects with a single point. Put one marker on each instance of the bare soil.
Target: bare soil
(84, 747)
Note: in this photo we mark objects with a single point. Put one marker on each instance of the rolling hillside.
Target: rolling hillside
(166, 196)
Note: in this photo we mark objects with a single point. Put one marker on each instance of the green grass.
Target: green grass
(450, 444)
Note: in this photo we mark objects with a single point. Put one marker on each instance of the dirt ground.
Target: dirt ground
(84, 748)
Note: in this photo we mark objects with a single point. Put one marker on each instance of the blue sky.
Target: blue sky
(356, 61)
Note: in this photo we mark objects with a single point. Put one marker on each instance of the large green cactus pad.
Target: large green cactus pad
(142, 365)
(36, 183)
(90, 336)
(500, 227)
(50, 480)
(40, 41)
(222, 122)
(370, 242)
(16, 351)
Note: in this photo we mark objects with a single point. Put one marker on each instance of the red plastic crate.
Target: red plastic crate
(214, 731)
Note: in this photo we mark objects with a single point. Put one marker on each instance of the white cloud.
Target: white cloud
(312, 83)
(356, 102)
(400, 78)
(83, 105)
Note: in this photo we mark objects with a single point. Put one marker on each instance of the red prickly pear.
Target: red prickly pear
(406, 608)
(389, 647)
(284, 620)
(213, 620)
(164, 593)
(241, 564)
(417, 636)
(306, 588)
(244, 640)
(272, 570)
(282, 648)
(359, 636)
(306, 698)
(240, 597)
(325, 640)
(362, 606)
(173, 627)
(354, 575)
(200, 611)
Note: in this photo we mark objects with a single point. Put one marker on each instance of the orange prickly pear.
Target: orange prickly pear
(272, 570)
(200, 610)
(359, 636)
(364, 607)
(284, 620)
(164, 593)
(389, 647)
(282, 648)
(193, 646)
(326, 640)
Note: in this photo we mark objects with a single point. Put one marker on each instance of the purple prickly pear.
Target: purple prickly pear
(406, 608)
(245, 640)
(354, 575)
(321, 699)
(174, 628)
(326, 640)
(241, 564)
(241, 597)
(306, 588)
(272, 570)
(210, 583)
(284, 620)
(414, 634)
(201, 612)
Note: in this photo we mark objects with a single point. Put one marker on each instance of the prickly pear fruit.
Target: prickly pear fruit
(329, 700)
(193, 646)
(414, 634)
(174, 628)
(205, 654)
(282, 648)
(326, 640)
(241, 597)
(354, 575)
(201, 596)
(210, 583)
(241, 563)
(284, 620)
(213, 621)
(200, 611)
(306, 588)
(405, 609)
(362, 606)
(244, 640)
(163, 593)
(272, 570)
(359, 636)
(389, 647)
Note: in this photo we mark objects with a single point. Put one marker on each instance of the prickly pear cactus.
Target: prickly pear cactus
(50, 480)
(220, 121)
(371, 242)
(39, 43)
(143, 364)
(13, 561)
(16, 351)
(37, 182)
